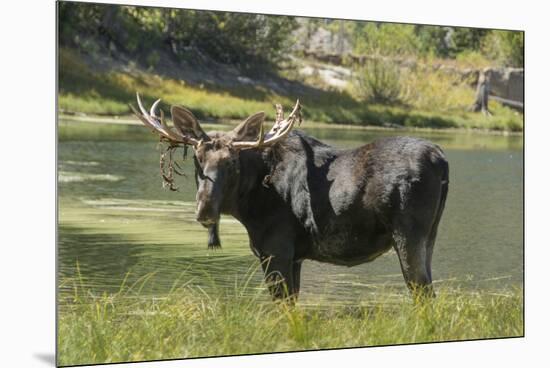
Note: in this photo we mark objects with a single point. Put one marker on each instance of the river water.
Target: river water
(116, 221)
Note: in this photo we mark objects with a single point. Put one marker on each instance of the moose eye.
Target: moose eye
(197, 161)
(198, 167)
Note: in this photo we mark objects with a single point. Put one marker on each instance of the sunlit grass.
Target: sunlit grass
(431, 102)
(128, 325)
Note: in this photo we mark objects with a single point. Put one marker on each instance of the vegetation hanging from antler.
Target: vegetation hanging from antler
(173, 167)
(172, 136)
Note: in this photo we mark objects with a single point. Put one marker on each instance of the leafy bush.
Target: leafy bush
(473, 59)
(437, 90)
(379, 80)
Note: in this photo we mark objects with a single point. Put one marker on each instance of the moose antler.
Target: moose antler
(280, 129)
(174, 136)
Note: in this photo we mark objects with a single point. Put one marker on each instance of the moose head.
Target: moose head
(216, 155)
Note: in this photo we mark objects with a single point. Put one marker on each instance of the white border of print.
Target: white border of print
(28, 206)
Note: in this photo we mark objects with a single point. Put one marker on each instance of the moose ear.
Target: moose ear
(186, 123)
(249, 129)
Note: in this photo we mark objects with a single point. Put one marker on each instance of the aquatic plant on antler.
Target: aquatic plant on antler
(168, 176)
(170, 139)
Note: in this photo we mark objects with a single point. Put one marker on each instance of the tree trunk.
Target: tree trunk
(482, 94)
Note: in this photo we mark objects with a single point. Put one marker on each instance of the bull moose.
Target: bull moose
(299, 198)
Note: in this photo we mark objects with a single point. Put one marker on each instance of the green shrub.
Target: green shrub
(379, 80)
(436, 90)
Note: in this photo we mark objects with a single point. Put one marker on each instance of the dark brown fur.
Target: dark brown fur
(339, 206)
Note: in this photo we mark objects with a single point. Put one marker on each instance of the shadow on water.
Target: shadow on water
(103, 262)
(104, 258)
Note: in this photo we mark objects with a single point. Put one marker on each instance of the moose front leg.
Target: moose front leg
(274, 245)
(279, 277)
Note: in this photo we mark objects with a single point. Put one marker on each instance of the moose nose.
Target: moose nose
(205, 221)
(205, 215)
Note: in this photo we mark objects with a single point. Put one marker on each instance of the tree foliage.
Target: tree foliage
(385, 39)
(254, 41)
(245, 40)
(392, 39)
(505, 47)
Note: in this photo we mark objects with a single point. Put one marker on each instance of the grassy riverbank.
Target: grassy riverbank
(87, 91)
(188, 322)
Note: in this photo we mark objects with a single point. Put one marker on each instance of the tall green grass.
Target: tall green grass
(129, 325)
